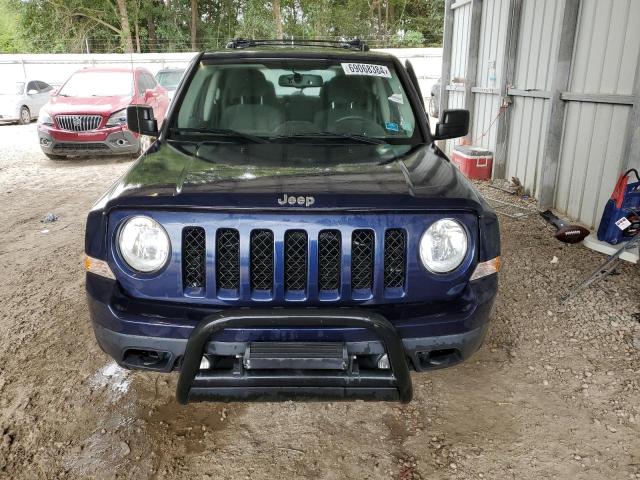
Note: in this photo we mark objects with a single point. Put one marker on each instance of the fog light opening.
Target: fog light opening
(383, 362)
(439, 358)
(151, 359)
(205, 363)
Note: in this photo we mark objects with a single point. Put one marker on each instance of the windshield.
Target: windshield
(98, 84)
(169, 79)
(11, 87)
(303, 101)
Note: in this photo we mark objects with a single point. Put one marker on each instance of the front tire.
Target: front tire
(25, 116)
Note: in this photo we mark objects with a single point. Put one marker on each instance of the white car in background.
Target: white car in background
(21, 100)
(170, 78)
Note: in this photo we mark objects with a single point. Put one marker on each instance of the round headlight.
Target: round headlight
(144, 244)
(443, 246)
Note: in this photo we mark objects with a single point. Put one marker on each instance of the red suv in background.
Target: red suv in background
(88, 114)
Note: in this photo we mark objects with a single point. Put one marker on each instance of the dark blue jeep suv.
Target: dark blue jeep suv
(293, 232)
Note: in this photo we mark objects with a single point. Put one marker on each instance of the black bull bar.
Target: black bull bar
(210, 385)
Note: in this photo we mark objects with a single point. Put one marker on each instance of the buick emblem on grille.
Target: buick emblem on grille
(303, 201)
(77, 122)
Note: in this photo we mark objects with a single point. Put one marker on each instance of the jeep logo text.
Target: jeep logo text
(296, 200)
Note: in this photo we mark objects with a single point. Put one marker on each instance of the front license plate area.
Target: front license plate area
(295, 355)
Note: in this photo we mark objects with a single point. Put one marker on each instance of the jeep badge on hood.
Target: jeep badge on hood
(296, 200)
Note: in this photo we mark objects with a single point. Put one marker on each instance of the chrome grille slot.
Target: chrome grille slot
(362, 256)
(329, 260)
(261, 265)
(193, 258)
(295, 260)
(395, 258)
(228, 259)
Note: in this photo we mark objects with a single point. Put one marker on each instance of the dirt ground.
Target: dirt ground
(553, 393)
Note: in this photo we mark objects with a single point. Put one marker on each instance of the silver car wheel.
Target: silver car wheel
(25, 116)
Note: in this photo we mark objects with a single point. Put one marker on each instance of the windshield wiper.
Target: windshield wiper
(358, 138)
(220, 132)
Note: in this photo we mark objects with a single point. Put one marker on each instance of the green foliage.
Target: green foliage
(165, 25)
(9, 41)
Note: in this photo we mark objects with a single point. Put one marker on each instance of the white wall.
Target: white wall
(56, 68)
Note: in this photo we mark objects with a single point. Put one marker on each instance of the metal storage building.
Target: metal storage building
(552, 87)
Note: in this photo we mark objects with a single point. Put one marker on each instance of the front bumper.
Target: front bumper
(112, 141)
(238, 384)
(432, 335)
(7, 117)
(10, 112)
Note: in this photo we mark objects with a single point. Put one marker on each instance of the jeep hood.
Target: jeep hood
(228, 176)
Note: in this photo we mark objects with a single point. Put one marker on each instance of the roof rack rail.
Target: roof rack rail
(355, 44)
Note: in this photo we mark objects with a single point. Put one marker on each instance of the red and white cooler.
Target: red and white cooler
(473, 162)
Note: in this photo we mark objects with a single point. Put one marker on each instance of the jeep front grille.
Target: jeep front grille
(295, 260)
(228, 259)
(261, 266)
(78, 123)
(329, 260)
(296, 264)
(194, 257)
(362, 253)
(395, 255)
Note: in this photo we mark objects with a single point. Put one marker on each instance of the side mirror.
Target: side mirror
(454, 124)
(148, 94)
(140, 119)
(54, 91)
(32, 92)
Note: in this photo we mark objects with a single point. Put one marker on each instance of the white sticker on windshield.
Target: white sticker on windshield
(367, 69)
(397, 98)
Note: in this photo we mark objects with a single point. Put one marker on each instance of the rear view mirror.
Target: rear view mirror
(140, 119)
(299, 80)
(454, 124)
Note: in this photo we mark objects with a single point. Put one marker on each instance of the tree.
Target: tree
(180, 25)
(125, 29)
(9, 39)
(277, 18)
(194, 25)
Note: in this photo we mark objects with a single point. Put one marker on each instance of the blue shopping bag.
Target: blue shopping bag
(621, 217)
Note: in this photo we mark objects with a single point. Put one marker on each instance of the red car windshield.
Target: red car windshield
(98, 84)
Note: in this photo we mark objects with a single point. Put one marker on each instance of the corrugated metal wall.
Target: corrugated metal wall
(535, 57)
(598, 101)
(604, 62)
(493, 29)
(461, 24)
